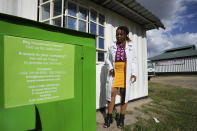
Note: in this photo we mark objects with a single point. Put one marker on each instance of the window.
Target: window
(46, 11)
(97, 28)
(74, 16)
(51, 12)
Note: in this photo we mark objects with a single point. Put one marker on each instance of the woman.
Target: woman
(121, 63)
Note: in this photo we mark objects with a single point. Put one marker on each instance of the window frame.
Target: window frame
(77, 15)
(97, 34)
(64, 20)
(51, 17)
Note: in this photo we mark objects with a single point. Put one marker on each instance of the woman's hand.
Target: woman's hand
(111, 73)
(133, 78)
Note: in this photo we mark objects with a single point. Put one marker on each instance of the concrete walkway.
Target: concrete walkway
(132, 113)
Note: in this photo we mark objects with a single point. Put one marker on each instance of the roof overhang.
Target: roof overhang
(133, 11)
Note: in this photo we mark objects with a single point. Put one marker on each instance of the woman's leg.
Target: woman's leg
(123, 104)
(123, 108)
(111, 103)
(113, 98)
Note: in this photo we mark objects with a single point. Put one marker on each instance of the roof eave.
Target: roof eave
(149, 23)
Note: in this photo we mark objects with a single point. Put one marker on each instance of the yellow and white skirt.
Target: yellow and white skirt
(120, 75)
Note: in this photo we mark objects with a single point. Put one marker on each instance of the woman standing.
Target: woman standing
(121, 63)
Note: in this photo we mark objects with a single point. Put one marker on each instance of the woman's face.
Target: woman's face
(120, 36)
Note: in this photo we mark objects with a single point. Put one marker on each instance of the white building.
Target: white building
(100, 17)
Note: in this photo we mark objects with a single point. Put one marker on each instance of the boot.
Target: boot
(120, 123)
(108, 121)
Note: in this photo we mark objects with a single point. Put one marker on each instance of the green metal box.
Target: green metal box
(45, 81)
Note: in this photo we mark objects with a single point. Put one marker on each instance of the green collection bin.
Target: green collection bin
(47, 77)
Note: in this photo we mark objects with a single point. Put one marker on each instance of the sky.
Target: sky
(180, 20)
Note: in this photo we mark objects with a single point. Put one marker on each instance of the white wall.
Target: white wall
(138, 36)
(28, 9)
(22, 8)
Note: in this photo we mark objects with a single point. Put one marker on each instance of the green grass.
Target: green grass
(127, 128)
(174, 107)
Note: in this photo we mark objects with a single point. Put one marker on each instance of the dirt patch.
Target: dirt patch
(132, 113)
(183, 81)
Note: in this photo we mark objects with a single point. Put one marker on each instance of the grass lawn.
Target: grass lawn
(174, 107)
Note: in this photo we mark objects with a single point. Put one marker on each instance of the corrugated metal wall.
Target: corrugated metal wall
(138, 36)
(189, 65)
(22, 8)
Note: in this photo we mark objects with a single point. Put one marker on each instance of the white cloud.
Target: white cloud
(184, 39)
(191, 15)
(170, 12)
(160, 42)
(157, 42)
